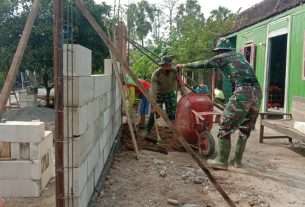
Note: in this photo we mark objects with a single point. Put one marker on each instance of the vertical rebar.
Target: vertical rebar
(58, 106)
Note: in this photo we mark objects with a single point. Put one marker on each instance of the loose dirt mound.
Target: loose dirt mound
(165, 133)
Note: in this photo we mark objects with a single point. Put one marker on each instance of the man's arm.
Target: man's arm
(203, 64)
(206, 64)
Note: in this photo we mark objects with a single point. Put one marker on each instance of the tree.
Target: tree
(221, 14)
(220, 21)
(189, 13)
(39, 52)
(139, 18)
(170, 5)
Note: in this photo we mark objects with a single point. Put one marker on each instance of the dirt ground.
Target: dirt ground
(272, 175)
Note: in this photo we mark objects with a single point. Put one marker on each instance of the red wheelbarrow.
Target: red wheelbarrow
(194, 119)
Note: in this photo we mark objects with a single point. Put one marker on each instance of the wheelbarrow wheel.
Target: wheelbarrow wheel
(206, 145)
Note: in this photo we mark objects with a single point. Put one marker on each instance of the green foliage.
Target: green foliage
(140, 17)
(192, 38)
(142, 66)
(38, 55)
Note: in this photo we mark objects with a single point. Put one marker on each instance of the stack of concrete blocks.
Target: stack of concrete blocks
(92, 119)
(27, 99)
(30, 166)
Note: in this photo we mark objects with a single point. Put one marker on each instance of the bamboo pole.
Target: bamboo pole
(11, 76)
(123, 92)
(177, 134)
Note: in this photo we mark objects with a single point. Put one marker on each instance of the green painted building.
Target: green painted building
(271, 35)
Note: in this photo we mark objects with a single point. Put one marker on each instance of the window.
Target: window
(249, 51)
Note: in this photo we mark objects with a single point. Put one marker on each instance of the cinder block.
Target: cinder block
(108, 130)
(99, 168)
(109, 98)
(78, 180)
(78, 91)
(90, 184)
(84, 199)
(107, 116)
(102, 141)
(118, 103)
(102, 84)
(108, 66)
(82, 145)
(49, 172)
(20, 169)
(25, 97)
(20, 188)
(103, 103)
(79, 201)
(96, 105)
(98, 129)
(300, 126)
(38, 150)
(93, 158)
(20, 131)
(77, 59)
(15, 150)
(117, 92)
(24, 150)
(90, 112)
(78, 121)
(106, 151)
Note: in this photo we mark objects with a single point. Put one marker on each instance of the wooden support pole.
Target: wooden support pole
(125, 108)
(177, 134)
(58, 105)
(11, 76)
(124, 92)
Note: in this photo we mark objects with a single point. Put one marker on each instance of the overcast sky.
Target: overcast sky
(206, 5)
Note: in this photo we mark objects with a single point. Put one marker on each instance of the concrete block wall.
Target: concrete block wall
(30, 166)
(92, 119)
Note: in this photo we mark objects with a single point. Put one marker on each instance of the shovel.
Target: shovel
(159, 143)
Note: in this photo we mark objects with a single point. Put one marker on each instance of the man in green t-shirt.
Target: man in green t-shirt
(164, 85)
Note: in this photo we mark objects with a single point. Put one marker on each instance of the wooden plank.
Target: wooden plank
(11, 76)
(5, 150)
(286, 130)
(297, 108)
(177, 134)
(279, 122)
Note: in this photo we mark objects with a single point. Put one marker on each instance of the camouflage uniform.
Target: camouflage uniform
(242, 109)
(243, 106)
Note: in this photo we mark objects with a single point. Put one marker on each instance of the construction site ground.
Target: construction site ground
(272, 175)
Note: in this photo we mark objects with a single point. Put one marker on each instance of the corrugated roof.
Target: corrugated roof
(262, 11)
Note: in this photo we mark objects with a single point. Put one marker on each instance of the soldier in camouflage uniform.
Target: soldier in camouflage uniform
(242, 109)
(163, 88)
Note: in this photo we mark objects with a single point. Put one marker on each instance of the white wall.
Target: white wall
(92, 119)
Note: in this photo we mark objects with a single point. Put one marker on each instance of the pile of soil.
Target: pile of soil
(169, 143)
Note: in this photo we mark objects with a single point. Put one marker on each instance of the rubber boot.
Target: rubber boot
(221, 160)
(240, 148)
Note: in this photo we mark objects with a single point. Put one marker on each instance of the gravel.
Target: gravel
(31, 113)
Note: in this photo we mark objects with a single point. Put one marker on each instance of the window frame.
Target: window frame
(252, 55)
